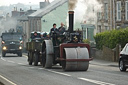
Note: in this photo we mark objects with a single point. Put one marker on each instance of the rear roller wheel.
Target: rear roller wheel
(75, 53)
(20, 54)
(30, 58)
(48, 54)
(3, 54)
(35, 59)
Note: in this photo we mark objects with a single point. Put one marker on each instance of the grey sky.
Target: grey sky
(8, 2)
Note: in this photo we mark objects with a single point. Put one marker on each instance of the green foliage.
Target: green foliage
(86, 41)
(111, 38)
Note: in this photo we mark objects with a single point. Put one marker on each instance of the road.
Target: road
(16, 71)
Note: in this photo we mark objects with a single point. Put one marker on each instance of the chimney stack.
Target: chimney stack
(20, 9)
(30, 8)
(16, 8)
(71, 21)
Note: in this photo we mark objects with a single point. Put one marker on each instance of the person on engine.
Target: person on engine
(54, 29)
(61, 28)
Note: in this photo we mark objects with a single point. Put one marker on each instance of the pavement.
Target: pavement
(103, 63)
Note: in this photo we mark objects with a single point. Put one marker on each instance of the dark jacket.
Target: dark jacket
(61, 30)
(53, 30)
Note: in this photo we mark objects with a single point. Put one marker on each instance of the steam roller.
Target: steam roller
(72, 57)
(66, 49)
(75, 59)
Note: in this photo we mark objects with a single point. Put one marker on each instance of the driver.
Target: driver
(35, 35)
(54, 29)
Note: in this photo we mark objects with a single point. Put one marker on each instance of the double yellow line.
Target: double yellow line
(7, 80)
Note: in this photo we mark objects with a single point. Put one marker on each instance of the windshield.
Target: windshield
(12, 36)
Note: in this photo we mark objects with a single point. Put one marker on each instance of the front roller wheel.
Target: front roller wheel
(47, 54)
(75, 53)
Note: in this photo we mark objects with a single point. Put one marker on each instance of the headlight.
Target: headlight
(4, 48)
(20, 47)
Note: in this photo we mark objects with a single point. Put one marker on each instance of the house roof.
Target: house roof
(47, 9)
(25, 16)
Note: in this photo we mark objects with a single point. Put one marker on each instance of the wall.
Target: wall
(106, 54)
(34, 24)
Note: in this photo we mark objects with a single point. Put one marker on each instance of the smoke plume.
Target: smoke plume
(8, 24)
(72, 4)
(85, 10)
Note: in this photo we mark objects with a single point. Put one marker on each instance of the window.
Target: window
(99, 15)
(99, 28)
(126, 50)
(106, 11)
(118, 14)
(126, 10)
(106, 28)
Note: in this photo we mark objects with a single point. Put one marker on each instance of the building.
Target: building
(88, 31)
(22, 23)
(104, 17)
(16, 13)
(44, 4)
(121, 13)
(55, 12)
(43, 19)
(114, 15)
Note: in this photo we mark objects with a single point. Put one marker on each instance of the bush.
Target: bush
(111, 38)
(86, 41)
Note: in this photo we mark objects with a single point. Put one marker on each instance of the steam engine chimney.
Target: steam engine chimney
(71, 21)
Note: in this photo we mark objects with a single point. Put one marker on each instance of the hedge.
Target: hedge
(86, 41)
(111, 38)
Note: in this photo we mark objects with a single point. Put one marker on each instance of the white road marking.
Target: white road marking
(10, 61)
(96, 82)
(25, 56)
(30, 67)
(58, 64)
(7, 80)
(59, 73)
(20, 63)
(3, 59)
(40, 68)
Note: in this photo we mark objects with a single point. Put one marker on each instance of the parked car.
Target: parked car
(123, 60)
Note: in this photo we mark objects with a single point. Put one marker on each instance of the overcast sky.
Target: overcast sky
(8, 2)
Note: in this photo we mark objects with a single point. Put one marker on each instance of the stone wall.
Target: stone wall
(106, 54)
(109, 54)
(95, 53)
